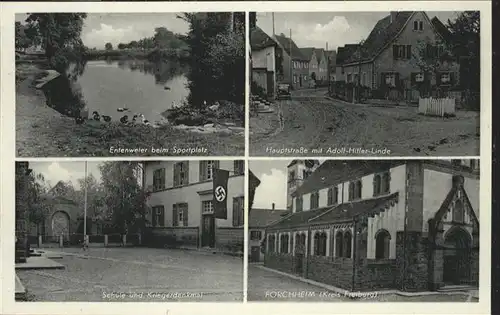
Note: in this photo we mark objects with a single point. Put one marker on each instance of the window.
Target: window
(351, 191)
(314, 203)
(207, 206)
(207, 169)
(363, 79)
(458, 212)
(445, 78)
(386, 183)
(349, 77)
(180, 214)
(299, 205)
(419, 77)
(338, 244)
(294, 78)
(181, 173)
(239, 167)
(284, 243)
(347, 244)
(402, 52)
(333, 194)
(159, 179)
(390, 79)
(382, 242)
(158, 216)
(357, 189)
(305, 78)
(238, 211)
(418, 25)
(255, 235)
(320, 244)
(271, 239)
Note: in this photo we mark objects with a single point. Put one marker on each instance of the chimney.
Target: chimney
(394, 14)
(273, 205)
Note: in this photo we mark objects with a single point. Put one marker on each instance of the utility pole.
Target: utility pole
(85, 209)
(291, 68)
(328, 67)
(274, 31)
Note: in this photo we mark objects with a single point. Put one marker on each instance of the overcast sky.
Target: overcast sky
(273, 183)
(115, 28)
(53, 172)
(315, 29)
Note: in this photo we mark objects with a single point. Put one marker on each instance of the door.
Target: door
(60, 225)
(208, 231)
(456, 269)
(270, 83)
(255, 254)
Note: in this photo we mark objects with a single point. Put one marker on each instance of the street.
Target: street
(137, 274)
(332, 127)
(265, 285)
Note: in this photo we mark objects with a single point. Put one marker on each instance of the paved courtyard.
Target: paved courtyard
(314, 122)
(265, 285)
(139, 275)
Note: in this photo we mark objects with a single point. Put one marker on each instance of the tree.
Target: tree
(22, 41)
(121, 46)
(124, 198)
(95, 197)
(133, 44)
(59, 34)
(108, 46)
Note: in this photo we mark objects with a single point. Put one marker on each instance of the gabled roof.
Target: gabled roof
(320, 53)
(344, 53)
(441, 29)
(260, 40)
(295, 51)
(298, 218)
(307, 52)
(261, 218)
(334, 172)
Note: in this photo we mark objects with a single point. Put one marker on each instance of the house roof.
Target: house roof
(309, 163)
(307, 52)
(344, 53)
(298, 218)
(295, 50)
(333, 172)
(320, 53)
(260, 40)
(333, 57)
(350, 210)
(261, 218)
(441, 29)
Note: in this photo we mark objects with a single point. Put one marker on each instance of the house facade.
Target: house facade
(388, 65)
(368, 225)
(295, 64)
(258, 221)
(318, 70)
(181, 208)
(265, 53)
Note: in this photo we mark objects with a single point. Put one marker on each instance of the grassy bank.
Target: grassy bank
(41, 131)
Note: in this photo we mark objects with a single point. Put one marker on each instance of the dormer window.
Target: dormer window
(355, 188)
(314, 203)
(333, 194)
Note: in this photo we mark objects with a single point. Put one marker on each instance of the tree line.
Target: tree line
(118, 199)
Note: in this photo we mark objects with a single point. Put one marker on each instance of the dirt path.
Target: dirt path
(315, 123)
(43, 132)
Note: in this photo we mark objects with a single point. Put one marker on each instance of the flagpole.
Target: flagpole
(85, 209)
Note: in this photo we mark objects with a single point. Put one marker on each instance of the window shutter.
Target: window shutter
(408, 51)
(203, 175)
(153, 217)
(396, 79)
(163, 178)
(235, 212)
(186, 172)
(185, 214)
(175, 216)
(394, 52)
(452, 78)
(176, 174)
(162, 216)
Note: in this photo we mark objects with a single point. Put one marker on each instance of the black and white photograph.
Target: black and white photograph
(129, 231)
(364, 230)
(130, 84)
(398, 83)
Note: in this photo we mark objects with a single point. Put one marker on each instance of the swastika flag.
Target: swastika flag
(220, 179)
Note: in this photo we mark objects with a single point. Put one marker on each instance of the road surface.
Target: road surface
(139, 275)
(336, 128)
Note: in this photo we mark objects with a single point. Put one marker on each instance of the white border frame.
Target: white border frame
(9, 306)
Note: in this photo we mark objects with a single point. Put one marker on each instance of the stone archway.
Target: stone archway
(60, 224)
(457, 257)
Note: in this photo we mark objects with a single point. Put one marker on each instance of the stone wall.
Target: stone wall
(333, 271)
(373, 275)
(229, 239)
(281, 262)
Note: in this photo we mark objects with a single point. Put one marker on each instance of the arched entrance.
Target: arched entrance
(300, 250)
(457, 257)
(60, 224)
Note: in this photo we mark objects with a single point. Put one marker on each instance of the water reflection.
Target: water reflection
(106, 85)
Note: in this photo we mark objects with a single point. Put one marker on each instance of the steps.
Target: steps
(261, 105)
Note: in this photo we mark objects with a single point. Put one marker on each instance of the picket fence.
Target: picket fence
(436, 106)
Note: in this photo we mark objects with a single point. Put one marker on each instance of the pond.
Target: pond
(143, 87)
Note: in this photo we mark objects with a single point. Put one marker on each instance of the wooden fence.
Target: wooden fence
(436, 106)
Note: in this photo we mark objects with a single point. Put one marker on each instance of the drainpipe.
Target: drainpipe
(354, 239)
